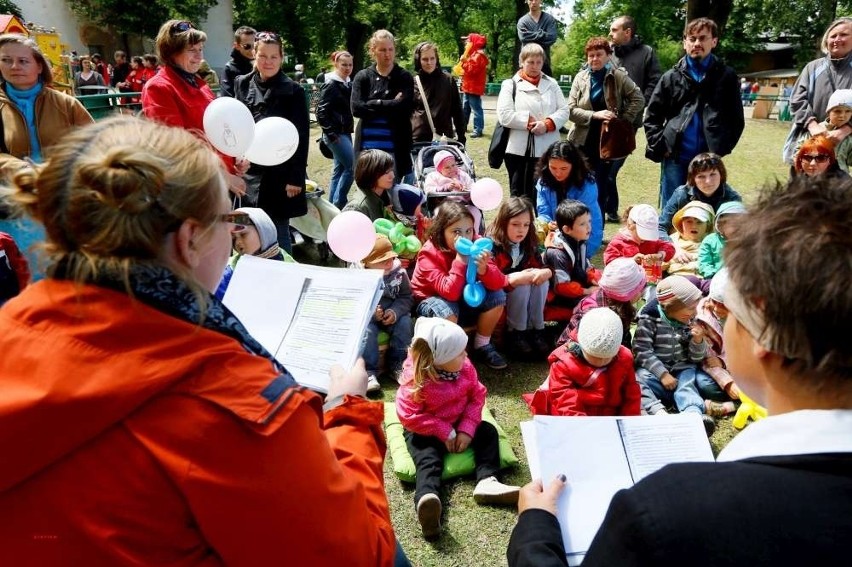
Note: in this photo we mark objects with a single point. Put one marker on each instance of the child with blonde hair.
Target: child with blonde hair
(439, 403)
(692, 223)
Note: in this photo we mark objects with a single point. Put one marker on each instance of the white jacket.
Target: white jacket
(539, 102)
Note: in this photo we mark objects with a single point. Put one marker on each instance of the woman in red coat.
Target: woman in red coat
(177, 96)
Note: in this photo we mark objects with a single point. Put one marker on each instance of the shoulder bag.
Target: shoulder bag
(500, 139)
(618, 138)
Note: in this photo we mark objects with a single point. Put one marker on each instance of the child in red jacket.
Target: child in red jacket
(440, 276)
(593, 376)
(640, 240)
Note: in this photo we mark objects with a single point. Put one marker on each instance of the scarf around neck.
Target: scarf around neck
(25, 100)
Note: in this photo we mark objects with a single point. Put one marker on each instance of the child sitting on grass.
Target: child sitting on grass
(640, 240)
(593, 376)
(439, 403)
(692, 223)
(447, 176)
(711, 315)
(710, 252)
(254, 234)
(393, 313)
(565, 254)
(668, 347)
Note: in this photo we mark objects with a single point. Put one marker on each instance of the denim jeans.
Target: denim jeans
(400, 337)
(437, 306)
(343, 173)
(686, 396)
(283, 228)
(672, 176)
(473, 103)
(525, 307)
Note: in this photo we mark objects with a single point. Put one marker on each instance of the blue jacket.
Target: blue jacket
(588, 194)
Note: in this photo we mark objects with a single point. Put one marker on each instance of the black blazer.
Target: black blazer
(334, 114)
(771, 511)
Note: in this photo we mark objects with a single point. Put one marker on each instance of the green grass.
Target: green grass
(478, 535)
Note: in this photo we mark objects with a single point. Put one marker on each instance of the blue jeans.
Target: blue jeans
(437, 306)
(343, 173)
(400, 337)
(687, 396)
(672, 176)
(283, 228)
(473, 103)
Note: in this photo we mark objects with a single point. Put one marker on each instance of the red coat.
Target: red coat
(439, 273)
(573, 387)
(622, 245)
(475, 71)
(130, 437)
(169, 99)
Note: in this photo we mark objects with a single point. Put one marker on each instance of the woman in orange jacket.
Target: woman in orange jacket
(140, 423)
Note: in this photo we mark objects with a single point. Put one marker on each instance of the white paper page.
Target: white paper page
(325, 312)
(652, 443)
(531, 447)
(589, 451)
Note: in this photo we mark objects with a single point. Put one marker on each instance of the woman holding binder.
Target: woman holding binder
(155, 429)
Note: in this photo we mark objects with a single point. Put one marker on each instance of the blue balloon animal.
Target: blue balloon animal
(474, 291)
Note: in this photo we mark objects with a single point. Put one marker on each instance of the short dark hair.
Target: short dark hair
(243, 30)
(627, 23)
(790, 259)
(449, 212)
(571, 153)
(596, 43)
(699, 24)
(568, 211)
(706, 161)
(171, 40)
(371, 165)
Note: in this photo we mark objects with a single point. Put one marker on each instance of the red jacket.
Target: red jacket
(622, 245)
(475, 68)
(123, 449)
(168, 98)
(573, 387)
(439, 273)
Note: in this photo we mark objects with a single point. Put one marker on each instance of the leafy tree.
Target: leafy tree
(9, 7)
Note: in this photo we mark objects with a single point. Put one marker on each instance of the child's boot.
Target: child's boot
(492, 491)
(429, 515)
(539, 343)
(516, 343)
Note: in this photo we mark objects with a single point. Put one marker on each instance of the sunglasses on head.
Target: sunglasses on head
(268, 35)
(818, 158)
(241, 221)
(181, 27)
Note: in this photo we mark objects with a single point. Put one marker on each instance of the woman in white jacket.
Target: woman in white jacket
(532, 106)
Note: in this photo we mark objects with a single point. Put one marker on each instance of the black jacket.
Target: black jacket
(678, 96)
(334, 113)
(374, 96)
(279, 96)
(238, 65)
(642, 66)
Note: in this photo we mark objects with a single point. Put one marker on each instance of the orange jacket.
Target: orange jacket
(130, 437)
(475, 70)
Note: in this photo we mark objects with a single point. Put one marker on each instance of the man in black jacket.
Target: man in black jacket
(780, 493)
(694, 108)
(242, 59)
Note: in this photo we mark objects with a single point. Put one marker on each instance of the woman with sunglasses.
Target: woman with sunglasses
(816, 157)
(157, 430)
(267, 91)
(706, 181)
(178, 96)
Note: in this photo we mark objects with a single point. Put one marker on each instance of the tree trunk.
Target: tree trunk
(716, 10)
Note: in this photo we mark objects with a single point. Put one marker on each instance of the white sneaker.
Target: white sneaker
(373, 384)
(429, 515)
(492, 491)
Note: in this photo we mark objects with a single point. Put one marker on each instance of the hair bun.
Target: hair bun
(126, 179)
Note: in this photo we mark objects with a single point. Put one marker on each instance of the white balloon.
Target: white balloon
(275, 141)
(229, 126)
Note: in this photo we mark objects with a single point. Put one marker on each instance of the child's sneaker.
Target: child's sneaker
(718, 409)
(373, 383)
(492, 491)
(429, 515)
(490, 357)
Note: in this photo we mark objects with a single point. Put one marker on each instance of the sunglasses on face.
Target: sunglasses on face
(241, 221)
(247, 46)
(181, 27)
(268, 35)
(818, 158)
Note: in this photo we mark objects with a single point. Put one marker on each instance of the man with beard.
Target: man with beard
(694, 108)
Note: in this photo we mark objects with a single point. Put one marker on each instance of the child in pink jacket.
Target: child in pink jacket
(439, 403)
(447, 175)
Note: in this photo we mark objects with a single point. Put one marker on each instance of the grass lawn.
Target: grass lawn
(478, 535)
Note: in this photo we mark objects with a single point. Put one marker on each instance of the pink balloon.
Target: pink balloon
(351, 236)
(486, 193)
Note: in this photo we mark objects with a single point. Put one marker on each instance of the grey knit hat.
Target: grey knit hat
(677, 289)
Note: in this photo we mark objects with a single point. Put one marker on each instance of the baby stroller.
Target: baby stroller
(423, 155)
(313, 226)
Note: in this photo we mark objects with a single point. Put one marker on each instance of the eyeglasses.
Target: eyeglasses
(241, 221)
(268, 35)
(697, 39)
(818, 158)
(180, 27)
(247, 46)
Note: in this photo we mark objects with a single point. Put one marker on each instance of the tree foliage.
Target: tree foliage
(142, 17)
(9, 7)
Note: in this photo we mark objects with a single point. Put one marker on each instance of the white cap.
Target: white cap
(446, 340)
(717, 286)
(647, 221)
(600, 332)
(840, 97)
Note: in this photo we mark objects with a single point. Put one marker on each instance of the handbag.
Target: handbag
(618, 139)
(500, 139)
(324, 149)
